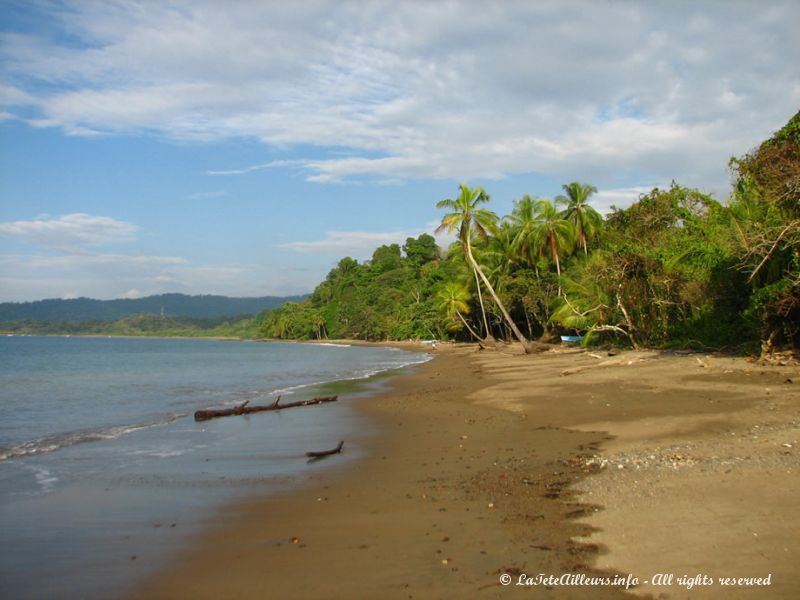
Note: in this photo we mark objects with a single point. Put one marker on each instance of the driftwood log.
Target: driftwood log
(322, 453)
(244, 409)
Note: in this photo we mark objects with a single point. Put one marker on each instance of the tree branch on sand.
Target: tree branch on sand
(244, 409)
(324, 453)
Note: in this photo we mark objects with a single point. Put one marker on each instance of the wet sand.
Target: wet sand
(484, 464)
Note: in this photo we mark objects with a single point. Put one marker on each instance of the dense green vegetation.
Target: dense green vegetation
(677, 268)
(141, 325)
(171, 305)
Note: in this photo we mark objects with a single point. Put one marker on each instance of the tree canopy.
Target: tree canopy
(676, 268)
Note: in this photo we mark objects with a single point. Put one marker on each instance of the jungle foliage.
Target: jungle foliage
(677, 268)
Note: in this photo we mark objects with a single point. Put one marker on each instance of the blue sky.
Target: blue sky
(244, 148)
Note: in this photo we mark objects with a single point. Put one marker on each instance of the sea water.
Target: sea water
(103, 471)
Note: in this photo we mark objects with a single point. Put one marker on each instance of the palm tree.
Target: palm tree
(453, 298)
(525, 222)
(319, 323)
(462, 247)
(552, 234)
(584, 218)
(500, 255)
(465, 216)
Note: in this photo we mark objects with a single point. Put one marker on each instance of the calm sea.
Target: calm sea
(103, 471)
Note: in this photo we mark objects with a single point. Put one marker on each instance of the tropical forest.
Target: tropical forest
(677, 268)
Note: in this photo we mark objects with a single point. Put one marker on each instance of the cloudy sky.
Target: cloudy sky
(242, 148)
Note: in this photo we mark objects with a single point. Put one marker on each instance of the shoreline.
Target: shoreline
(472, 472)
(172, 471)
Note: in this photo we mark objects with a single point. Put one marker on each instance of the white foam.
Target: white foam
(159, 452)
(44, 478)
(64, 440)
(356, 376)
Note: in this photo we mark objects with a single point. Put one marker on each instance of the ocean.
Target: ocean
(104, 474)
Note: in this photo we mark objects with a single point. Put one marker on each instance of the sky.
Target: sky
(243, 148)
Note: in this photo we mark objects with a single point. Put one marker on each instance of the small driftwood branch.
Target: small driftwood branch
(322, 453)
(243, 409)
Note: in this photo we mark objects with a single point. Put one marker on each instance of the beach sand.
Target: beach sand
(492, 463)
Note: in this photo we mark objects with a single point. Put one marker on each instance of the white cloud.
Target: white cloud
(251, 168)
(361, 244)
(604, 200)
(70, 231)
(115, 261)
(13, 96)
(24, 278)
(31, 277)
(612, 91)
(357, 244)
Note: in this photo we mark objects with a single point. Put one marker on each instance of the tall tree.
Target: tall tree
(462, 248)
(768, 188)
(553, 233)
(525, 222)
(584, 218)
(500, 256)
(466, 217)
(421, 250)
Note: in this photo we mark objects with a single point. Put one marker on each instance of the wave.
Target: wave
(51, 443)
(355, 376)
(161, 452)
(415, 359)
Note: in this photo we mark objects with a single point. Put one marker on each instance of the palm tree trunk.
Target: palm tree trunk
(489, 336)
(554, 252)
(522, 339)
(470, 329)
(527, 321)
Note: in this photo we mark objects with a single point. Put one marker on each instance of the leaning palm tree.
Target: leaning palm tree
(452, 300)
(584, 218)
(466, 217)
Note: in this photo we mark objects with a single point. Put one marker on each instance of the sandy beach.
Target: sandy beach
(488, 467)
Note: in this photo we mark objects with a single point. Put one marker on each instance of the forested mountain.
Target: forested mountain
(171, 305)
(677, 268)
(142, 325)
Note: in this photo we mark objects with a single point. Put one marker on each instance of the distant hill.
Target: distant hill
(141, 325)
(173, 305)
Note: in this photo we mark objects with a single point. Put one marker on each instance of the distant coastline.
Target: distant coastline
(163, 315)
(144, 325)
(205, 306)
